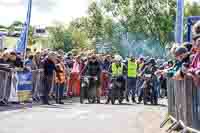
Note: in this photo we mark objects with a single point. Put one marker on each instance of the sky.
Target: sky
(44, 12)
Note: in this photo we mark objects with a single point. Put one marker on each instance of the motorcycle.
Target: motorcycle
(117, 91)
(88, 89)
(148, 89)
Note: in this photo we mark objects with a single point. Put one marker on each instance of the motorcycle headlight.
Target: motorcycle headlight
(83, 85)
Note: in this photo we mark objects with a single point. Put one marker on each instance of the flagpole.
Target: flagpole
(27, 30)
(179, 22)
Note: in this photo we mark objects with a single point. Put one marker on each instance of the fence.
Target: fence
(5, 85)
(10, 84)
(184, 101)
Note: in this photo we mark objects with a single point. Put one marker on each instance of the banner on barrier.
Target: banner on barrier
(24, 85)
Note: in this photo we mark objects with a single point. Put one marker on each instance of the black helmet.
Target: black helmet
(180, 51)
(170, 62)
(152, 61)
(187, 45)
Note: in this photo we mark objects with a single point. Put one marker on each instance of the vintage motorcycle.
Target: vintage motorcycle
(117, 90)
(88, 89)
(148, 89)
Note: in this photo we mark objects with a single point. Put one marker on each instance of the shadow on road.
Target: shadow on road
(17, 106)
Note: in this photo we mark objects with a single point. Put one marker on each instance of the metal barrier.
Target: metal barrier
(38, 84)
(8, 83)
(5, 80)
(171, 97)
(184, 101)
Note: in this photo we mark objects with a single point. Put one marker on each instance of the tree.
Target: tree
(16, 25)
(3, 27)
(95, 22)
(192, 9)
(60, 38)
(154, 18)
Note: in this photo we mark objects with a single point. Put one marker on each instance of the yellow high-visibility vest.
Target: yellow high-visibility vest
(132, 69)
(117, 71)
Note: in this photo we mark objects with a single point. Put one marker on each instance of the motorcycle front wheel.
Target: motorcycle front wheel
(113, 100)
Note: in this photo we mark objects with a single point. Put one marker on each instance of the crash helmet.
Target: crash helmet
(152, 61)
(180, 50)
(118, 58)
(188, 45)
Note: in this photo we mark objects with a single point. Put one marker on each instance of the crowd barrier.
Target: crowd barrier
(20, 85)
(184, 101)
(5, 85)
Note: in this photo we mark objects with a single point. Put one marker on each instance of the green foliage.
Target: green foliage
(60, 38)
(95, 21)
(3, 27)
(192, 9)
(15, 26)
(155, 18)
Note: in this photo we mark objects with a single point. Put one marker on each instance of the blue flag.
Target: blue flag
(179, 22)
(23, 39)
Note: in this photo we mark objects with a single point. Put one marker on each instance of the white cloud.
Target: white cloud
(44, 11)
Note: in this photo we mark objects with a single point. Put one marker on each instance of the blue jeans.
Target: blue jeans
(131, 87)
(157, 87)
(59, 91)
(139, 84)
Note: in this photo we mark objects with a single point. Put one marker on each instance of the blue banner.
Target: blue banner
(179, 22)
(23, 39)
(24, 85)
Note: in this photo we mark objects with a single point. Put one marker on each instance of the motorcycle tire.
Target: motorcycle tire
(93, 100)
(120, 101)
(82, 95)
(113, 100)
(81, 100)
(145, 101)
(90, 100)
(152, 103)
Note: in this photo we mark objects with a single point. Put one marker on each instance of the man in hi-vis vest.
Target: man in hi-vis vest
(132, 78)
(117, 69)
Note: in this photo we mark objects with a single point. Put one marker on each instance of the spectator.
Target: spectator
(30, 63)
(74, 85)
(60, 81)
(14, 60)
(49, 71)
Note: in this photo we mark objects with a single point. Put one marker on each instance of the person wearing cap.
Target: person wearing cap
(93, 69)
(132, 78)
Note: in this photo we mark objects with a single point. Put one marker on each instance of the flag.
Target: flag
(179, 22)
(23, 39)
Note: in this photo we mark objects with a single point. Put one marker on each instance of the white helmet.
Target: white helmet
(118, 58)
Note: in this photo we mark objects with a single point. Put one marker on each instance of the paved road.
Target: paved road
(87, 118)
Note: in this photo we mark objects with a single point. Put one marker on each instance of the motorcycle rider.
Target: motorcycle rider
(132, 78)
(150, 68)
(117, 69)
(93, 69)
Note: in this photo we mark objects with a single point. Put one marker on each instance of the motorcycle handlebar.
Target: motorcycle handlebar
(94, 77)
